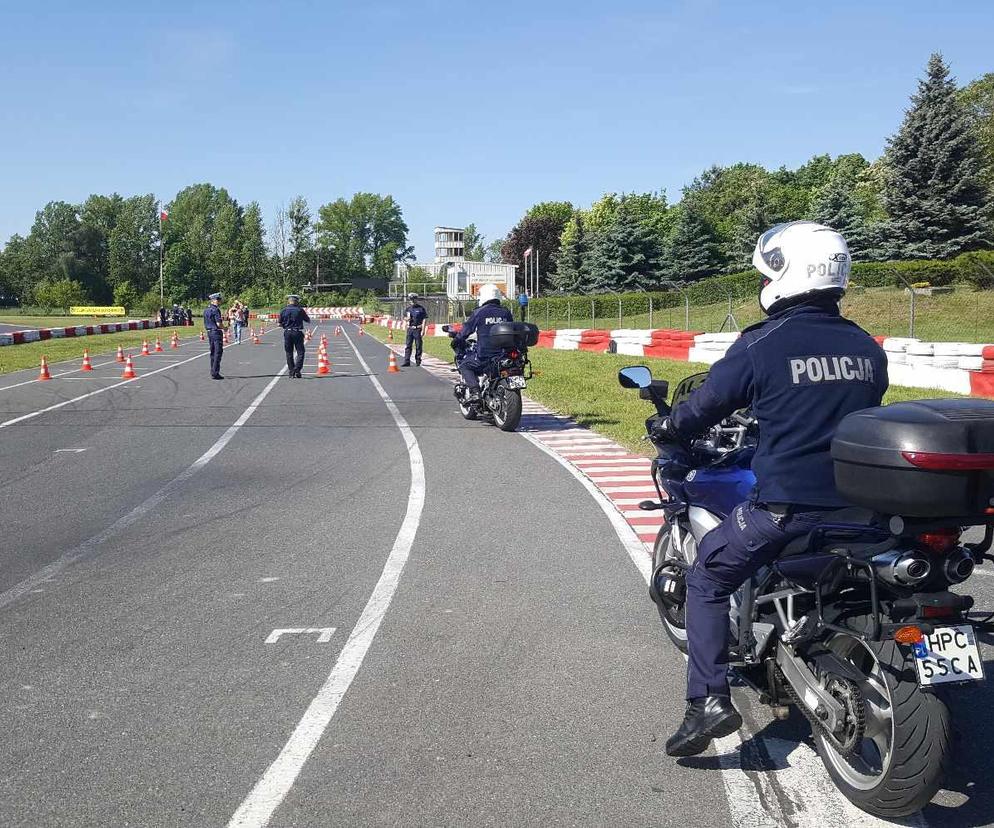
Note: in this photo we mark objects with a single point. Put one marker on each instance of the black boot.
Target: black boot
(707, 718)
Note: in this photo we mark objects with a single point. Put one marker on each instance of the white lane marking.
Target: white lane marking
(141, 510)
(66, 373)
(325, 633)
(69, 451)
(259, 806)
(33, 414)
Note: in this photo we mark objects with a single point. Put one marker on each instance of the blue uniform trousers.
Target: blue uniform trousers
(748, 539)
(415, 340)
(216, 339)
(293, 346)
(470, 369)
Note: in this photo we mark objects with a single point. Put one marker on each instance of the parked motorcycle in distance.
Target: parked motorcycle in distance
(854, 624)
(504, 378)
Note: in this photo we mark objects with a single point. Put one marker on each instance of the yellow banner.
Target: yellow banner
(94, 310)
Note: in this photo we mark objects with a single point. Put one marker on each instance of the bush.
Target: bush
(126, 296)
(977, 268)
(61, 294)
(149, 304)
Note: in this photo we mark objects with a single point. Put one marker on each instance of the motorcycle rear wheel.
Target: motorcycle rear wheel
(674, 620)
(901, 761)
(507, 411)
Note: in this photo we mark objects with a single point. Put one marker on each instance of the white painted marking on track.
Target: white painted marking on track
(69, 451)
(323, 638)
(142, 509)
(118, 384)
(259, 806)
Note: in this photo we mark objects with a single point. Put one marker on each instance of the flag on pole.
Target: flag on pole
(528, 252)
(163, 215)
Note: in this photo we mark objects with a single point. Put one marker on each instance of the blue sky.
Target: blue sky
(465, 111)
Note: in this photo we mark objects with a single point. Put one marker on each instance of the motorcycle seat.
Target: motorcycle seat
(852, 515)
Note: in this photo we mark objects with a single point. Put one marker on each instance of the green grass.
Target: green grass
(584, 385)
(29, 354)
(963, 315)
(59, 321)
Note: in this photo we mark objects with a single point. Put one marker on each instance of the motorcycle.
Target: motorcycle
(504, 377)
(853, 624)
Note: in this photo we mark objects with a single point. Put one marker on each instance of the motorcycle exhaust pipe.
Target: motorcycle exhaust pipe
(903, 568)
(958, 566)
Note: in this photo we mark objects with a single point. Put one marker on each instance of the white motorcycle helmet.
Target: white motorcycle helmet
(798, 259)
(488, 292)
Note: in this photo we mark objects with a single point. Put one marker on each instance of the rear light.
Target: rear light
(940, 541)
(909, 635)
(948, 462)
(937, 612)
(515, 354)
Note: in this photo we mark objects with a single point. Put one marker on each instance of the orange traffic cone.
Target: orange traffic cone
(144, 351)
(158, 345)
(129, 369)
(389, 334)
(86, 361)
(255, 339)
(226, 340)
(175, 340)
(43, 373)
(361, 331)
(120, 354)
(202, 337)
(323, 369)
(392, 365)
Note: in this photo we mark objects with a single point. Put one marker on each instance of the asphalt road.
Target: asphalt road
(7, 328)
(481, 650)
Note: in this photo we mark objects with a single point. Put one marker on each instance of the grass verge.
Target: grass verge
(584, 385)
(29, 354)
(27, 322)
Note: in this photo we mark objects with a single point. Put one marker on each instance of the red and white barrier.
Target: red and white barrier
(41, 334)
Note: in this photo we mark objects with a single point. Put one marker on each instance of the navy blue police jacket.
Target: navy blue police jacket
(801, 371)
(212, 318)
(416, 314)
(480, 322)
(293, 317)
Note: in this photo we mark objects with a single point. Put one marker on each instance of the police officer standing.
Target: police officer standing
(214, 324)
(416, 318)
(292, 320)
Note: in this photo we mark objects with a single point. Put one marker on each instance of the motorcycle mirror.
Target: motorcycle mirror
(445, 328)
(635, 376)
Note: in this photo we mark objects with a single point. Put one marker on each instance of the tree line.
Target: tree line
(928, 197)
(107, 249)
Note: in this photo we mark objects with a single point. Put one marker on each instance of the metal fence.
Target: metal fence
(955, 313)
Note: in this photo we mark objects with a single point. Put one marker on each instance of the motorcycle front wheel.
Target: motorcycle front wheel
(468, 411)
(674, 620)
(899, 763)
(506, 408)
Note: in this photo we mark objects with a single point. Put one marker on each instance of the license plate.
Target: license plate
(949, 654)
(516, 382)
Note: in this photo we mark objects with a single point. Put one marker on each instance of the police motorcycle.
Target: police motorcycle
(504, 378)
(855, 624)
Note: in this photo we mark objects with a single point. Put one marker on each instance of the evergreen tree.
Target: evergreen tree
(571, 274)
(694, 251)
(755, 219)
(628, 256)
(836, 206)
(934, 194)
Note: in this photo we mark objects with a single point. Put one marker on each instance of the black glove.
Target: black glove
(456, 344)
(665, 431)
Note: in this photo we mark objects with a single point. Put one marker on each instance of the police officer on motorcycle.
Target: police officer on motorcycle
(801, 370)
(489, 313)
